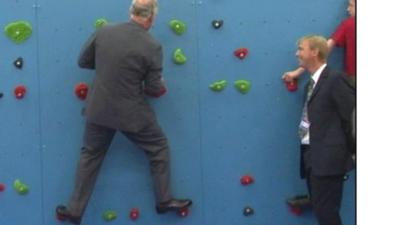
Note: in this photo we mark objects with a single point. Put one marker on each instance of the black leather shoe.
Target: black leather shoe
(173, 205)
(300, 201)
(63, 213)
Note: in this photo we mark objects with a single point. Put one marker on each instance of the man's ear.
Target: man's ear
(315, 52)
(151, 20)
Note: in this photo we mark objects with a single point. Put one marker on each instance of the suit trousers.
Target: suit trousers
(97, 140)
(325, 191)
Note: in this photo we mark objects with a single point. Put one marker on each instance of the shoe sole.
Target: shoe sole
(162, 211)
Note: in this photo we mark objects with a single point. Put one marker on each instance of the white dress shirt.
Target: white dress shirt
(315, 77)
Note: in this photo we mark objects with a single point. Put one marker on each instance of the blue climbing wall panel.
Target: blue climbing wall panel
(215, 138)
(20, 152)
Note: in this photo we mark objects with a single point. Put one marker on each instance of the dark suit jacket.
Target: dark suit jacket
(128, 63)
(329, 112)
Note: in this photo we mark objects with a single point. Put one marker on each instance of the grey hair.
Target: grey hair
(144, 10)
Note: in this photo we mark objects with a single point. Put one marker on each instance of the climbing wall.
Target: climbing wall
(216, 136)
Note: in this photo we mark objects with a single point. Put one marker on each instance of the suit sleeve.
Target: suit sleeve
(87, 55)
(153, 82)
(344, 97)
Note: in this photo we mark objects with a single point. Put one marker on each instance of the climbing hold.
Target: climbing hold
(291, 86)
(20, 187)
(100, 23)
(298, 204)
(248, 211)
(217, 23)
(241, 53)
(60, 209)
(109, 215)
(1, 94)
(20, 91)
(246, 180)
(243, 86)
(184, 212)
(218, 85)
(179, 57)
(19, 62)
(177, 26)
(2, 187)
(81, 90)
(134, 214)
(296, 211)
(18, 31)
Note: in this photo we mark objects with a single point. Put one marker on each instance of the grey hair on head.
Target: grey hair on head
(144, 9)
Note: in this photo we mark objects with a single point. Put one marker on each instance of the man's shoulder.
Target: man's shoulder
(333, 72)
(137, 33)
(338, 77)
(153, 41)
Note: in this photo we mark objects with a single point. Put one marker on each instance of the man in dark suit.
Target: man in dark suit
(128, 64)
(325, 149)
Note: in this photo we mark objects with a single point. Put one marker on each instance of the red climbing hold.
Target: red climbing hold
(296, 211)
(20, 91)
(298, 204)
(134, 214)
(291, 86)
(61, 218)
(2, 187)
(81, 90)
(246, 180)
(241, 53)
(184, 212)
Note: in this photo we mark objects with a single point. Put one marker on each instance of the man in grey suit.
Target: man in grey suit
(326, 153)
(128, 64)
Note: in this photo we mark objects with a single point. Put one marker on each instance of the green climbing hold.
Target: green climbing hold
(20, 187)
(218, 85)
(18, 31)
(243, 86)
(100, 22)
(179, 57)
(177, 26)
(109, 215)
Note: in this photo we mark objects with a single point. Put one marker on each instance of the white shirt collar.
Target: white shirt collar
(317, 74)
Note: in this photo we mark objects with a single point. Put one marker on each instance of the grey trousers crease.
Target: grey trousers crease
(97, 140)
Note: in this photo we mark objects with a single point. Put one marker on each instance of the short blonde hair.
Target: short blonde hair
(144, 9)
(317, 42)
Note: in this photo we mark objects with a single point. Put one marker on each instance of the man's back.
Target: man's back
(124, 56)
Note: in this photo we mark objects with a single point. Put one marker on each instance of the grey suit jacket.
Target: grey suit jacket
(329, 111)
(128, 63)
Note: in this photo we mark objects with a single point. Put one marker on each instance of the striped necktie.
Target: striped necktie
(303, 129)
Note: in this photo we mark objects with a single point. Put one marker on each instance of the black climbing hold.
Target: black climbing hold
(248, 211)
(217, 23)
(1, 94)
(19, 63)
